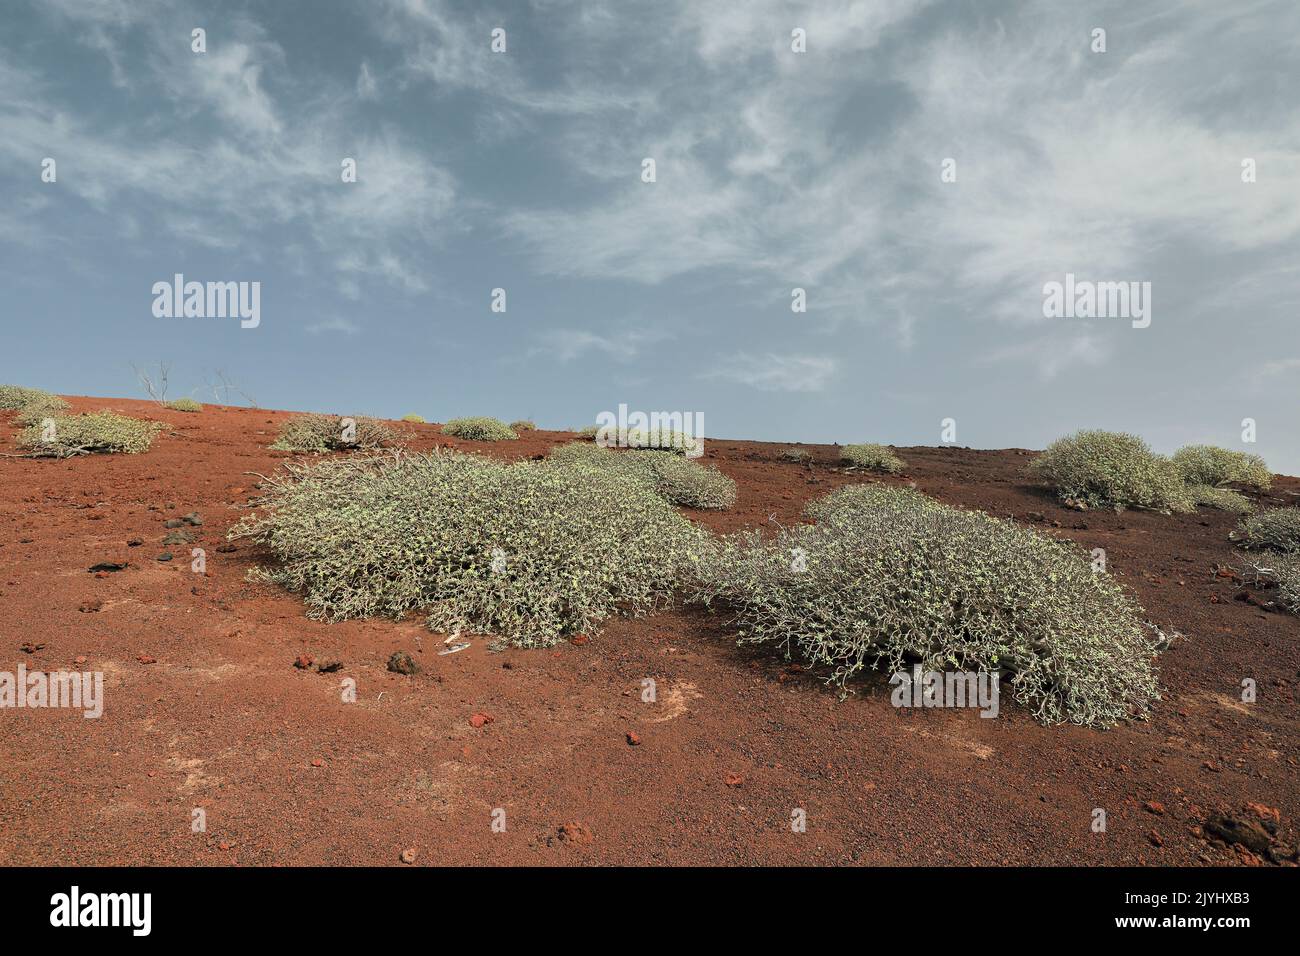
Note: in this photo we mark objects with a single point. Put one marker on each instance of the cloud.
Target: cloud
(567, 345)
(776, 373)
(1278, 367)
(1050, 355)
(229, 161)
(334, 324)
(1066, 160)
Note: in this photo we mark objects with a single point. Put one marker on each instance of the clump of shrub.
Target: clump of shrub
(663, 439)
(676, 479)
(322, 433)
(184, 405)
(888, 577)
(66, 436)
(530, 551)
(872, 457)
(1225, 499)
(16, 396)
(1280, 571)
(479, 429)
(39, 410)
(1211, 465)
(34, 405)
(1275, 529)
(524, 425)
(1098, 469)
(796, 454)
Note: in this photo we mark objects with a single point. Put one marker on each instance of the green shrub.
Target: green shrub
(529, 551)
(872, 457)
(1114, 470)
(888, 577)
(524, 425)
(799, 455)
(15, 396)
(1281, 571)
(98, 433)
(1210, 465)
(479, 429)
(39, 409)
(1225, 499)
(678, 480)
(184, 405)
(322, 433)
(414, 419)
(1275, 529)
(663, 439)
(587, 431)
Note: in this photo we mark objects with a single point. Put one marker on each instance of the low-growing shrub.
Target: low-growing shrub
(662, 439)
(524, 425)
(39, 409)
(530, 551)
(322, 433)
(1114, 470)
(888, 577)
(587, 431)
(184, 405)
(414, 419)
(1225, 499)
(799, 455)
(90, 433)
(1274, 529)
(1281, 571)
(16, 396)
(479, 429)
(872, 457)
(678, 480)
(1211, 465)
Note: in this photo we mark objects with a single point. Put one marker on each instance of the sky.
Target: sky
(921, 170)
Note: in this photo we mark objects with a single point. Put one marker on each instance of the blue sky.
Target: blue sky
(522, 170)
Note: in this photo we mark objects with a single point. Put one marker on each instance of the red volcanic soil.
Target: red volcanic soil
(205, 708)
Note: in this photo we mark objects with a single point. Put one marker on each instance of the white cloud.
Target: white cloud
(334, 324)
(261, 165)
(776, 373)
(1050, 355)
(623, 345)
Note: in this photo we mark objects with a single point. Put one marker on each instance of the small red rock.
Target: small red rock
(224, 846)
(89, 607)
(146, 659)
(479, 719)
(735, 779)
(1264, 812)
(303, 662)
(633, 740)
(318, 762)
(575, 833)
(1155, 807)
(578, 640)
(79, 659)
